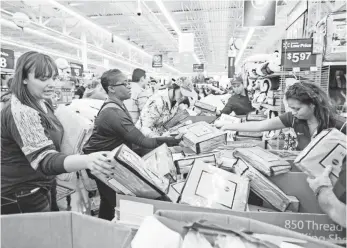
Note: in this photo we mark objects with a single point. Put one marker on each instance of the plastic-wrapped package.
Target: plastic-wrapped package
(176, 119)
(160, 163)
(185, 164)
(264, 161)
(205, 107)
(175, 191)
(202, 137)
(327, 148)
(262, 186)
(131, 176)
(195, 239)
(208, 186)
(77, 130)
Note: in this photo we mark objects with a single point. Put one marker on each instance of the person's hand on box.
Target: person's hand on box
(99, 162)
(322, 181)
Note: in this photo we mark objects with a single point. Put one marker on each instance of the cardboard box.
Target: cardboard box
(312, 224)
(130, 176)
(202, 137)
(238, 223)
(62, 230)
(208, 186)
(327, 148)
(264, 161)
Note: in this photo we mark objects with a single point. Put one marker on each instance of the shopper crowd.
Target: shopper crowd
(133, 113)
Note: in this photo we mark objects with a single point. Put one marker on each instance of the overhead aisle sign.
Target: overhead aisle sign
(297, 53)
(259, 13)
(157, 61)
(198, 68)
(7, 59)
(76, 69)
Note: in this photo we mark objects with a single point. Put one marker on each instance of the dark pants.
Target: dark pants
(107, 201)
(26, 202)
(54, 204)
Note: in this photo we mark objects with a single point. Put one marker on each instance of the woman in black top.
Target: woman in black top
(312, 112)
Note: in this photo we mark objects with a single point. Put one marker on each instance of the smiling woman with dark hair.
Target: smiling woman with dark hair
(312, 112)
(31, 136)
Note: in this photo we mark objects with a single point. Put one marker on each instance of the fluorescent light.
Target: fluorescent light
(196, 58)
(90, 23)
(168, 16)
(65, 42)
(85, 20)
(248, 38)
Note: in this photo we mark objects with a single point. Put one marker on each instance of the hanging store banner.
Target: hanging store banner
(259, 13)
(297, 53)
(7, 59)
(198, 68)
(157, 61)
(76, 69)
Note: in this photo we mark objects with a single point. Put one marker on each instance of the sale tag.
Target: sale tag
(297, 53)
(7, 59)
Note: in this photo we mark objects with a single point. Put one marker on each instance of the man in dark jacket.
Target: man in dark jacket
(238, 103)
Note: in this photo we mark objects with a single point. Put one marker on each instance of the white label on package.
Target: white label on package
(200, 130)
(216, 189)
(335, 158)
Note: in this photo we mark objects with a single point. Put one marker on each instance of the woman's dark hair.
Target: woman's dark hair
(43, 68)
(109, 78)
(308, 93)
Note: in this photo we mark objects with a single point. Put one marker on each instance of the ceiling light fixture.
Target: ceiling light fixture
(85, 20)
(39, 33)
(168, 16)
(248, 38)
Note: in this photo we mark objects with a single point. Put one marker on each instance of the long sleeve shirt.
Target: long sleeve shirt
(239, 104)
(30, 154)
(135, 104)
(157, 111)
(114, 127)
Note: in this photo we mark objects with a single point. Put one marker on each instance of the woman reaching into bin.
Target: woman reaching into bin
(31, 136)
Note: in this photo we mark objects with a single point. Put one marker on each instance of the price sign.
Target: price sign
(198, 67)
(7, 59)
(297, 53)
(76, 69)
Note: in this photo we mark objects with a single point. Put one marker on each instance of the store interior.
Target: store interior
(228, 156)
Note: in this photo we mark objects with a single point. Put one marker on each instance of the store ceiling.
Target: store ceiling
(212, 22)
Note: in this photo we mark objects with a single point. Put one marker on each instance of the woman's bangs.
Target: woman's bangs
(45, 67)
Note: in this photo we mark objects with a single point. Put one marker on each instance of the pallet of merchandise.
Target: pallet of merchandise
(201, 137)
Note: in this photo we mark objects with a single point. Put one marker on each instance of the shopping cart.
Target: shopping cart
(91, 188)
